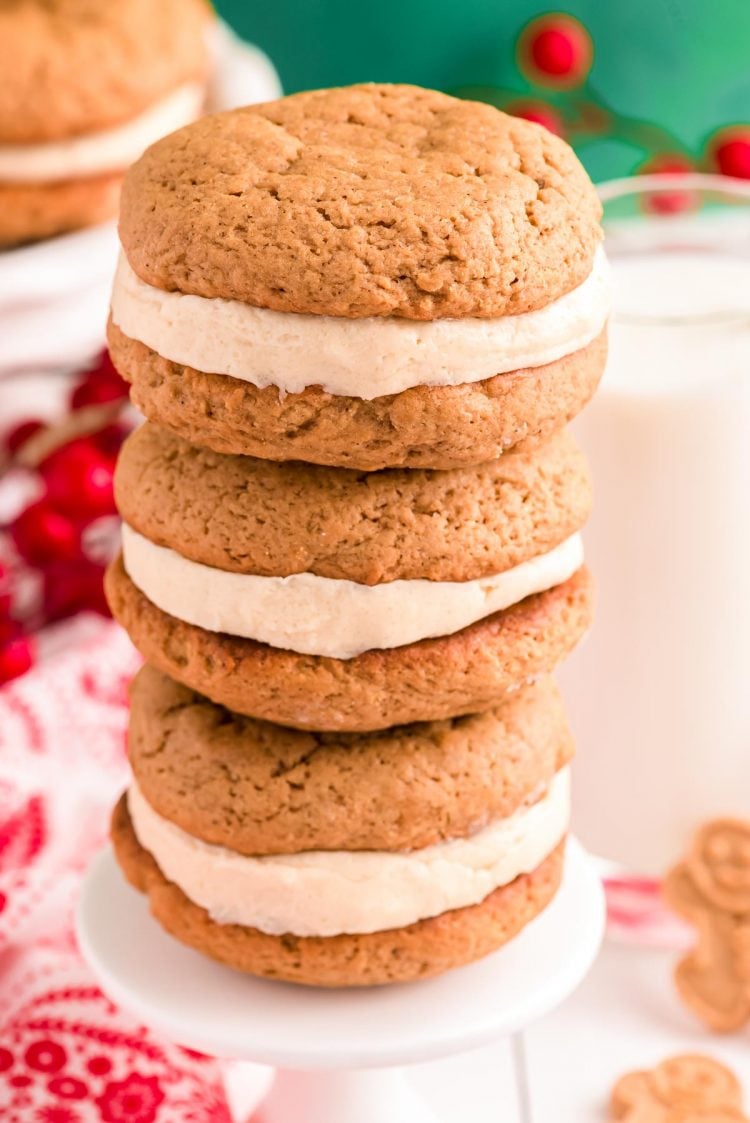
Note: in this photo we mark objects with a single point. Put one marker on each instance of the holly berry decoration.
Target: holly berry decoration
(100, 385)
(538, 112)
(673, 200)
(16, 658)
(57, 538)
(41, 534)
(555, 50)
(729, 151)
(16, 650)
(73, 586)
(78, 479)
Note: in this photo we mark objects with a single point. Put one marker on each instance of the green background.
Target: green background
(683, 64)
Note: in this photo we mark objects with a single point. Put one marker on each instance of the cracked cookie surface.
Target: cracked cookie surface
(372, 200)
(246, 515)
(258, 788)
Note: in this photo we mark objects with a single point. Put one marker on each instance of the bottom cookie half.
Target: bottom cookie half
(418, 951)
(467, 672)
(32, 211)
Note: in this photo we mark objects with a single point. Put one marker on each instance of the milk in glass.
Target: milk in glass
(660, 690)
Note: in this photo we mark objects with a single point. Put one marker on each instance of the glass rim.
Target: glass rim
(610, 189)
(671, 232)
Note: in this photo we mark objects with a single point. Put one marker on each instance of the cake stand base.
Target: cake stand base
(365, 1095)
(321, 1041)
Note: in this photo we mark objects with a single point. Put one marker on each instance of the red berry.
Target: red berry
(555, 50)
(6, 601)
(71, 587)
(79, 480)
(104, 368)
(668, 202)
(539, 113)
(731, 152)
(96, 600)
(41, 534)
(9, 629)
(21, 433)
(16, 657)
(99, 385)
(109, 439)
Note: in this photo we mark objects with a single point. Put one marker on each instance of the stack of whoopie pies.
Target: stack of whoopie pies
(358, 321)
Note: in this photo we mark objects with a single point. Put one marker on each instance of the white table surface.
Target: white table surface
(625, 1016)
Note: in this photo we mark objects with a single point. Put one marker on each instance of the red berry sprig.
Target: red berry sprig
(78, 479)
(672, 201)
(729, 151)
(16, 658)
(52, 536)
(100, 385)
(555, 50)
(41, 535)
(538, 112)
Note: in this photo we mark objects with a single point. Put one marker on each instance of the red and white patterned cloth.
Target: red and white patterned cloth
(67, 1055)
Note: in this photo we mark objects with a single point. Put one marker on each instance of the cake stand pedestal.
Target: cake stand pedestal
(337, 1052)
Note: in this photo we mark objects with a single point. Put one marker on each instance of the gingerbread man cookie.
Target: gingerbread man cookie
(711, 889)
(683, 1089)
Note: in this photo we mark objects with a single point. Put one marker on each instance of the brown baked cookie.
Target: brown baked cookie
(419, 951)
(711, 889)
(245, 515)
(30, 211)
(689, 1088)
(372, 200)
(72, 67)
(422, 427)
(258, 788)
(462, 673)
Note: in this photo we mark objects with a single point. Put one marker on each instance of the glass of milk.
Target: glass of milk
(660, 691)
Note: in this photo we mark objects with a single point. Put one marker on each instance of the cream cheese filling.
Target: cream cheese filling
(358, 358)
(109, 150)
(327, 893)
(325, 616)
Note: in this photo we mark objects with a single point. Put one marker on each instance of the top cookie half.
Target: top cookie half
(358, 245)
(366, 201)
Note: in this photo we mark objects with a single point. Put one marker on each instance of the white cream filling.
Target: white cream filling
(326, 893)
(359, 358)
(325, 616)
(105, 151)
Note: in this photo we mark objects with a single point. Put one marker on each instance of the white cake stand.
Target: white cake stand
(336, 1050)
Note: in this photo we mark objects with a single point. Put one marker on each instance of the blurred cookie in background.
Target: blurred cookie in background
(85, 88)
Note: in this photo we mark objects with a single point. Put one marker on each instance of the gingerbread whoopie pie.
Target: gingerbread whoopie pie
(85, 87)
(357, 322)
(330, 599)
(377, 276)
(231, 828)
